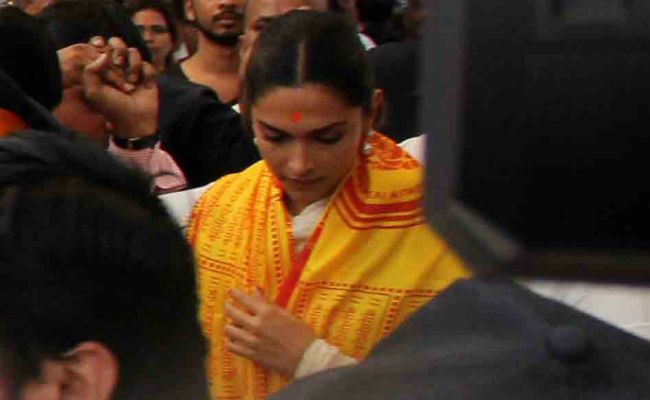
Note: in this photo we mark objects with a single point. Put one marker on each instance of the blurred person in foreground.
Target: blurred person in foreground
(307, 269)
(96, 282)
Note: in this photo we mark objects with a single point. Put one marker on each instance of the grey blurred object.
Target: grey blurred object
(539, 138)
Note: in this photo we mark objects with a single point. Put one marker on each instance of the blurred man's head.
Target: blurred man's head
(260, 12)
(221, 22)
(96, 282)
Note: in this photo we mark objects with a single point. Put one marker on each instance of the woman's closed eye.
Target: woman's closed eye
(329, 137)
(276, 137)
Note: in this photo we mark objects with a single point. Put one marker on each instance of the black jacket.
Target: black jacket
(204, 136)
(14, 99)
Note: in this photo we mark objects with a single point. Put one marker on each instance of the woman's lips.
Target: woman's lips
(302, 181)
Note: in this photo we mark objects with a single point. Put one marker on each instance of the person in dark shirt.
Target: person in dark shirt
(396, 67)
(215, 63)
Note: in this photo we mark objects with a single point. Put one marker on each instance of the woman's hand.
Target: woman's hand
(266, 333)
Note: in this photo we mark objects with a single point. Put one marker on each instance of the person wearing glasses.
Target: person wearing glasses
(156, 24)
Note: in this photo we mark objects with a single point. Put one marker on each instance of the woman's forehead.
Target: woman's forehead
(304, 109)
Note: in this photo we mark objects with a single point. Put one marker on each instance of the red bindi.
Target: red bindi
(296, 117)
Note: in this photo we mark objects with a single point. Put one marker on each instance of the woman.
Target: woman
(309, 257)
(156, 24)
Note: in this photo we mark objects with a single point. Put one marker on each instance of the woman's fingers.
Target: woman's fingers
(255, 304)
(241, 336)
(240, 350)
(240, 318)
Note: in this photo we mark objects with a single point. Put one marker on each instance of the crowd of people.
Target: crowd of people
(208, 198)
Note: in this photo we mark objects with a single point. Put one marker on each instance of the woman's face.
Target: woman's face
(155, 32)
(309, 137)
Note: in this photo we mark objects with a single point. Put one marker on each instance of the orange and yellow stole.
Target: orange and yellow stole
(10, 122)
(368, 265)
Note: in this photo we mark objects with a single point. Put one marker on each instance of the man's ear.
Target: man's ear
(92, 371)
(87, 372)
(189, 11)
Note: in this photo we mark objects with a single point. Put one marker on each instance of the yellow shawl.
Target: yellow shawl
(370, 262)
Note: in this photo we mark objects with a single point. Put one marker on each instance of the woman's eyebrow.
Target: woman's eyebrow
(316, 131)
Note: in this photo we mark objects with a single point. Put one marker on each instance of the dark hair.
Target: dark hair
(28, 56)
(333, 5)
(304, 47)
(375, 10)
(178, 7)
(87, 253)
(70, 22)
(158, 6)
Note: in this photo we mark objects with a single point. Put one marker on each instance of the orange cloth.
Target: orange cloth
(10, 122)
(370, 262)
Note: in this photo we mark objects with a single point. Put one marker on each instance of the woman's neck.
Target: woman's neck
(296, 207)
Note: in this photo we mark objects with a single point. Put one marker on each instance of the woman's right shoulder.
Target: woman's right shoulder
(222, 197)
(232, 187)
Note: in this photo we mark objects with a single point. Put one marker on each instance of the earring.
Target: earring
(367, 148)
(255, 142)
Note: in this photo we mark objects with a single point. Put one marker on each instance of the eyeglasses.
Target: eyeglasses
(154, 29)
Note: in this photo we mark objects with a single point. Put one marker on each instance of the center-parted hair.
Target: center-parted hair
(309, 47)
(87, 253)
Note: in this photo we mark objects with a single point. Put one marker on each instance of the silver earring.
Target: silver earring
(367, 148)
(255, 142)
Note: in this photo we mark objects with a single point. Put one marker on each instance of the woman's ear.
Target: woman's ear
(377, 104)
(87, 372)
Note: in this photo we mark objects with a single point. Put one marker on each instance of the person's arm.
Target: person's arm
(132, 109)
(154, 161)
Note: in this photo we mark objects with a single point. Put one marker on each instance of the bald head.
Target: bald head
(261, 12)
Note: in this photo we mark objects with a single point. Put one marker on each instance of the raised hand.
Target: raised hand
(132, 107)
